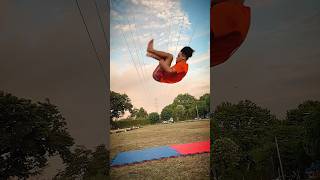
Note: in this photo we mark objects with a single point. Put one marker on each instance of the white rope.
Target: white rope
(180, 27)
(136, 65)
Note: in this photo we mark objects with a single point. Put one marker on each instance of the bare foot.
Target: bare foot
(150, 46)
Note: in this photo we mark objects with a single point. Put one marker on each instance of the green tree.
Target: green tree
(312, 139)
(245, 123)
(99, 163)
(303, 110)
(290, 139)
(299, 138)
(250, 127)
(77, 167)
(85, 164)
(188, 102)
(167, 112)
(225, 159)
(254, 129)
(154, 117)
(133, 113)
(191, 112)
(204, 105)
(202, 111)
(141, 114)
(206, 99)
(29, 134)
(307, 115)
(119, 103)
(179, 112)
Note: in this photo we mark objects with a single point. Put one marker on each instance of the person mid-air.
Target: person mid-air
(164, 72)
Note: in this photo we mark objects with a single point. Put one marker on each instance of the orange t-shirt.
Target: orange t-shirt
(181, 68)
(229, 24)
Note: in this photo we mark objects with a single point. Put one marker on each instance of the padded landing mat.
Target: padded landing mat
(192, 148)
(143, 155)
(137, 156)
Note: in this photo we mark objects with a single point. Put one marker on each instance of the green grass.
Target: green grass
(185, 167)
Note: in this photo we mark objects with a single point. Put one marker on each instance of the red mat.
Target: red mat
(192, 148)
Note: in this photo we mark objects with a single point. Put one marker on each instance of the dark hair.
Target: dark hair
(187, 51)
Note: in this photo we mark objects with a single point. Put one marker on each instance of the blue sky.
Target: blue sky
(172, 24)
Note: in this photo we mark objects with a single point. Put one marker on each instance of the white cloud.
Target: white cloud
(200, 58)
(144, 19)
(135, 2)
(125, 27)
(115, 15)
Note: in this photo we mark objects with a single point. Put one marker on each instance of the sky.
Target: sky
(172, 24)
(277, 67)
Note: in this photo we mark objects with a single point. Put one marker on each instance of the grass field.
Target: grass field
(185, 167)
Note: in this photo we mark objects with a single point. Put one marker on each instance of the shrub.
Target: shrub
(154, 117)
(130, 122)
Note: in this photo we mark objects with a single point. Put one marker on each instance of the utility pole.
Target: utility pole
(275, 137)
(197, 112)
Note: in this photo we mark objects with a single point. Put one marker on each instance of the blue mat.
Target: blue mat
(143, 155)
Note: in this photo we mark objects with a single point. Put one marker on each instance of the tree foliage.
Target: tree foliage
(142, 113)
(250, 127)
(119, 103)
(167, 112)
(188, 102)
(30, 133)
(203, 105)
(134, 112)
(291, 147)
(226, 157)
(244, 122)
(307, 115)
(254, 129)
(180, 112)
(139, 113)
(77, 167)
(154, 117)
(86, 164)
(190, 107)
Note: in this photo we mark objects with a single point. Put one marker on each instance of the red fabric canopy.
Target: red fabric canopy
(229, 26)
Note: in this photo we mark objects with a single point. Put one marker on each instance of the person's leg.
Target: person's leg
(168, 60)
(157, 73)
(167, 57)
(161, 54)
(154, 56)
